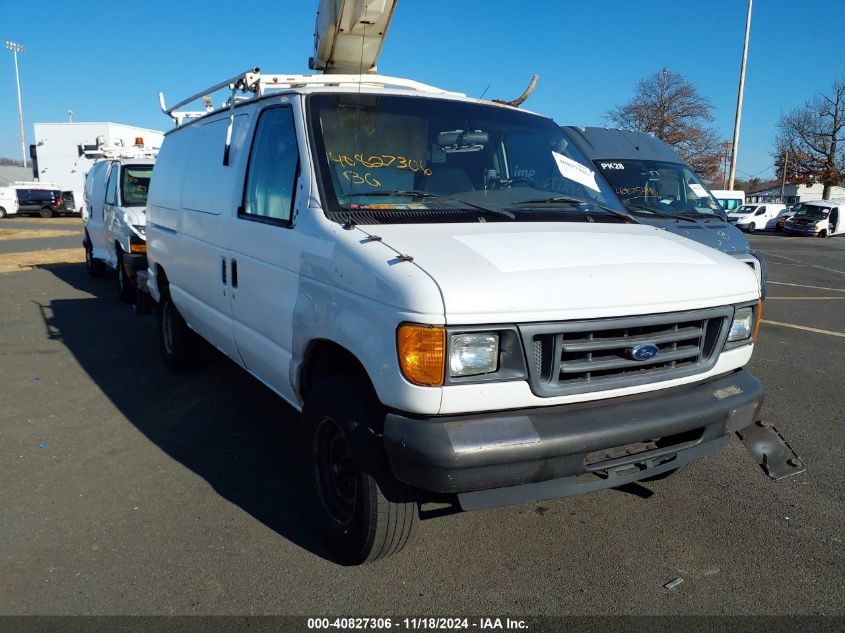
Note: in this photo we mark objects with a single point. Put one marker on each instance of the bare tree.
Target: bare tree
(812, 139)
(11, 161)
(670, 107)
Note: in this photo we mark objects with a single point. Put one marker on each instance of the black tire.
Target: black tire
(95, 267)
(47, 212)
(675, 471)
(2, 212)
(125, 287)
(752, 228)
(179, 343)
(359, 507)
(823, 233)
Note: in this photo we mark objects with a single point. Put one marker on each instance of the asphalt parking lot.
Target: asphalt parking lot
(127, 489)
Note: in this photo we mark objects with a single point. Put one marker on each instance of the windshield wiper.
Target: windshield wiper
(640, 207)
(414, 193)
(570, 200)
(694, 215)
(668, 216)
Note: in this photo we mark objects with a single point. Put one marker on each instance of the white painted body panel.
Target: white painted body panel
(315, 280)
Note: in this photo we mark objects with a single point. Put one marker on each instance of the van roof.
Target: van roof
(254, 86)
(613, 143)
(833, 202)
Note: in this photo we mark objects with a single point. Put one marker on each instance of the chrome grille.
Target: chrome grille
(592, 355)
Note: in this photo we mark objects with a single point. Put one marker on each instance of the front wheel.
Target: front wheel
(47, 212)
(360, 509)
(2, 212)
(823, 233)
(751, 228)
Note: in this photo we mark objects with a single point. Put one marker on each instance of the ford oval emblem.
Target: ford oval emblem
(646, 351)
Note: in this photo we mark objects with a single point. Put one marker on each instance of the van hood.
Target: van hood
(524, 272)
(136, 216)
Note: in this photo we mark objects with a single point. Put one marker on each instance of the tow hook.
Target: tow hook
(771, 450)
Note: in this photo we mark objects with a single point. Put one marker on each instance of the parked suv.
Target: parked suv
(449, 293)
(115, 220)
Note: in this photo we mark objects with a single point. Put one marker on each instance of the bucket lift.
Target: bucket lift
(349, 35)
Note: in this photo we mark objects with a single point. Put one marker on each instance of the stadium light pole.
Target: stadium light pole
(735, 148)
(18, 48)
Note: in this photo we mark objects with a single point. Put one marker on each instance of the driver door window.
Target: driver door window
(273, 168)
(111, 187)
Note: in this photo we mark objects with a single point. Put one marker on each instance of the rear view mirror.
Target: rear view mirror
(462, 141)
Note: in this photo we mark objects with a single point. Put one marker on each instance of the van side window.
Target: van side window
(273, 168)
(111, 187)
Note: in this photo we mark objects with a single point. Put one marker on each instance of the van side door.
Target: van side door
(265, 250)
(194, 246)
(98, 177)
(110, 205)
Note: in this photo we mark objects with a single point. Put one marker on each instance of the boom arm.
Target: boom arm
(349, 35)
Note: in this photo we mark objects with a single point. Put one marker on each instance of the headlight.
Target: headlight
(473, 354)
(743, 324)
(140, 229)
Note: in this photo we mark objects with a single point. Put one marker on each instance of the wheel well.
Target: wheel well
(324, 359)
(161, 278)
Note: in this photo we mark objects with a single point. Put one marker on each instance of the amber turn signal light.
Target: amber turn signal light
(137, 248)
(759, 317)
(422, 350)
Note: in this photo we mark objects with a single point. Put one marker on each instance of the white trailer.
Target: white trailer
(64, 152)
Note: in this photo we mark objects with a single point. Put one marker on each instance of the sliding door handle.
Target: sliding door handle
(234, 273)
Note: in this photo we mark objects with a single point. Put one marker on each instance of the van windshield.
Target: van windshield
(391, 158)
(813, 211)
(136, 184)
(746, 208)
(651, 187)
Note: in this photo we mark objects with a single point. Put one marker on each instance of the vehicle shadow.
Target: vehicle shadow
(216, 420)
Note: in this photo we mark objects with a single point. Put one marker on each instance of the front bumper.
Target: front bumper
(801, 231)
(133, 262)
(532, 454)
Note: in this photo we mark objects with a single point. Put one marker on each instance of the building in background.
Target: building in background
(64, 152)
(794, 193)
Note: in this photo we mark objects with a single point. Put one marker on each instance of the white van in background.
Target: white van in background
(817, 217)
(729, 199)
(756, 217)
(114, 216)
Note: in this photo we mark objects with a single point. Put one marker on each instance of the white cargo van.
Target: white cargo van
(115, 220)
(458, 305)
(822, 218)
(755, 217)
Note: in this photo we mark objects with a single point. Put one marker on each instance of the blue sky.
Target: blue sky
(107, 61)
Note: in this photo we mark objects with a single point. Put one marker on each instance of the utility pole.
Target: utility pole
(18, 48)
(735, 147)
(726, 152)
(783, 175)
(70, 114)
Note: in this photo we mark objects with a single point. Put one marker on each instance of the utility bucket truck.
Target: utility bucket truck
(459, 307)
